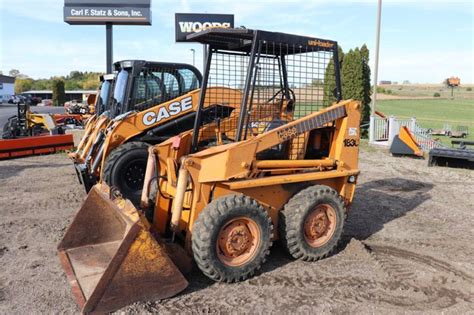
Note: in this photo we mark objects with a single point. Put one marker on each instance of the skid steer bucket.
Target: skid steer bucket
(405, 144)
(111, 259)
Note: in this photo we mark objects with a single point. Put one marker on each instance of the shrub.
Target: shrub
(389, 92)
(469, 89)
(380, 89)
(58, 92)
(436, 94)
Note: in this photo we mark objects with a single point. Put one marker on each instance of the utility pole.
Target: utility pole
(376, 70)
(377, 47)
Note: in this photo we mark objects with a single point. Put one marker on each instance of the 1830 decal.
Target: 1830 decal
(350, 143)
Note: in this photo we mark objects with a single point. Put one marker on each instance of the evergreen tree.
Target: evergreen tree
(355, 79)
(59, 95)
(364, 51)
(330, 80)
(352, 75)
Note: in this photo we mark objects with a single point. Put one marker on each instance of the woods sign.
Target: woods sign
(188, 23)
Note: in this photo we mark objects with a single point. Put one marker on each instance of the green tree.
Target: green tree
(72, 85)
(355, 76)
(58, 92)
(364, 53)
(41, 84)
(90, 84)
(329, 80)
(13, 72)
(22, 85)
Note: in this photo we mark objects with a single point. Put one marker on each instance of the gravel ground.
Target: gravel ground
(407, 247)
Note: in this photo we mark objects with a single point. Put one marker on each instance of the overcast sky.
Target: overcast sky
(423, 41)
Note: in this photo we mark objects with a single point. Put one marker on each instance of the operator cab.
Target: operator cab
(144, 84)
(104, 98)
(276, 78)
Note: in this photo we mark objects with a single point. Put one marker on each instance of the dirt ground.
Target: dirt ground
(407, 247)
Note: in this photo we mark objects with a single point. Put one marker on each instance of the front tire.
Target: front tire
(125, 169)
(312, 222)
(231, 238)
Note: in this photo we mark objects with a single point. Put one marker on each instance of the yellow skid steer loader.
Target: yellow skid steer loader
(284, 166)
(97, 120)
(151, 102)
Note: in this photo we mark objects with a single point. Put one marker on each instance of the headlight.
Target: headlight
(351, 179)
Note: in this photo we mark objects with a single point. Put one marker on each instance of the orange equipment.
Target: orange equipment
(11, 148)
(151, 101)
(279, 167)
(405, 144)
(29, 133)
(98, 119)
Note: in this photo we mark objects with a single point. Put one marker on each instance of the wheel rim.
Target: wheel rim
(238, 241)
(319, 225)
(134, 175)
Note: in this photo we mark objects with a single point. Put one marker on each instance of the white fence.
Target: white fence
(383, 130)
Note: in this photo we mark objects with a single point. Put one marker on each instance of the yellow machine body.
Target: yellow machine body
(234, 169)
(278, 161)
(112, 254)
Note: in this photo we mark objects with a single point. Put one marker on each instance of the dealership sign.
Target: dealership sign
(124, 12)
(189, 23)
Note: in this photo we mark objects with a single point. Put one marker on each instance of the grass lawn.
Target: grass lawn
(433, 113)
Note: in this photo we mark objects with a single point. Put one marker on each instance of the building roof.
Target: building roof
(67, 92)
(6, 79)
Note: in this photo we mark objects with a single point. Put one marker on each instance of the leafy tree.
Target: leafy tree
(75, 75)
(90, 84)
(41, 84)
(22, 85)
(72, 85)
(14, 72)
(317, 82)
(58, 92)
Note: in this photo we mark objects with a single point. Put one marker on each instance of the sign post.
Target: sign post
(109, 46)
(108, 13)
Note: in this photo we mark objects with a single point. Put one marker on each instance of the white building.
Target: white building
(7, 88)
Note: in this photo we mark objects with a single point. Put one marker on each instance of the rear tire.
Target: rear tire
(10, 129)
(312, 222)
(231, 238)
(125, 169)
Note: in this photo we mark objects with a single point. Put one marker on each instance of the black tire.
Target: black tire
(207, 227)
(125, 169)
(295, 214)
(10, 129)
